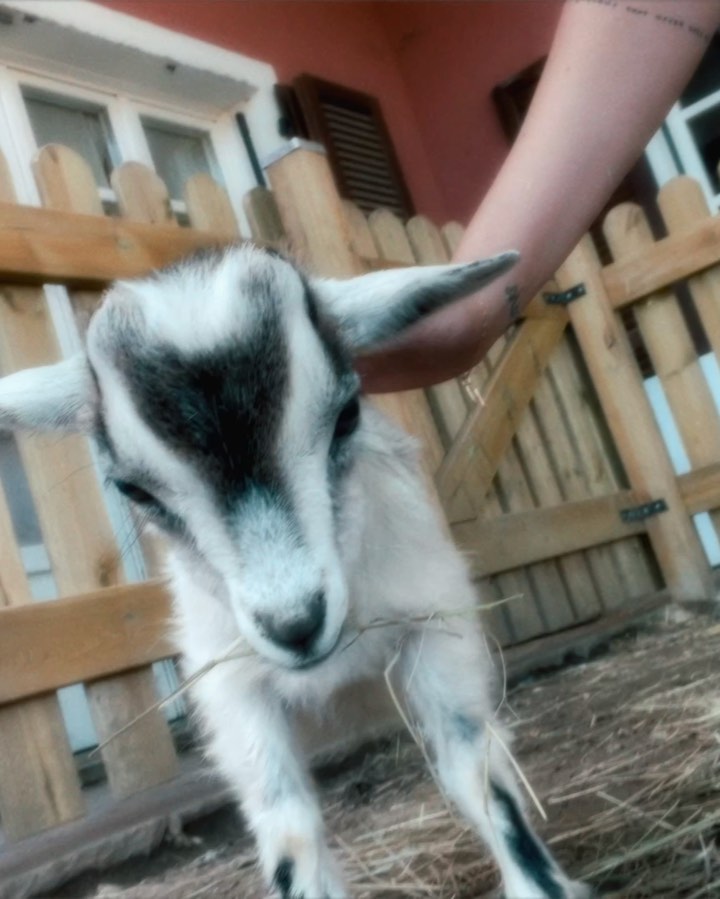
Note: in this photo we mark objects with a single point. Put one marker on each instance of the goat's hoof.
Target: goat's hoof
(283, 878)
(323, 885)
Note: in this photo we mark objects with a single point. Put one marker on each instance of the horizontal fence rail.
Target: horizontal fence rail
(44, 646)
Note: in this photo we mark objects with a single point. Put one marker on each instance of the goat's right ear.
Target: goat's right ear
(375, 307)
(60, 397)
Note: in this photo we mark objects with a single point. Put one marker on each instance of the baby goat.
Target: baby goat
(222, 395)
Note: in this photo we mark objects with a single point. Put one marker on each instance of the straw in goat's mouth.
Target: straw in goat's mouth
(236, 650)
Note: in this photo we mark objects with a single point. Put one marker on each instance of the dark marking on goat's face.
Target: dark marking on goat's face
(236, 413)
(219, 409)
(525, 847)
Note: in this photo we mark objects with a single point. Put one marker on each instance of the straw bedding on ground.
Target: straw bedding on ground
(623, 751)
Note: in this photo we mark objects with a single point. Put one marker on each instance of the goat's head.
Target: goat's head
(222, 395)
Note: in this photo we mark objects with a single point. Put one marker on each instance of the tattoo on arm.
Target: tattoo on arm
(512, 297)
(647, 12)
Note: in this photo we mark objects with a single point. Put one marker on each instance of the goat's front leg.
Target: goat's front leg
(445, 678)
(252, 744)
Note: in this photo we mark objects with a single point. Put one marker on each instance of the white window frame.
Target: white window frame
(673, 151)
(123, 101)
(124, 114)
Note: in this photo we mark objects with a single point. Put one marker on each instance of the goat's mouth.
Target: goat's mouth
(313, 661)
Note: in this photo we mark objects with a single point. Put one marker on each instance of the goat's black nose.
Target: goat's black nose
(299, 633)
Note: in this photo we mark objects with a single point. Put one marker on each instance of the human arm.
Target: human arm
(614, 70)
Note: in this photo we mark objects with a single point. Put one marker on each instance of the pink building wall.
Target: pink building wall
(451, 55)
(431, 64)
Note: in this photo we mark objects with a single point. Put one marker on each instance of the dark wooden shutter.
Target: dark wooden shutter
(351, 127)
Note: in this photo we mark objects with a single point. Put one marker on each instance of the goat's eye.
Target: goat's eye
(136, 494)
(348, 419)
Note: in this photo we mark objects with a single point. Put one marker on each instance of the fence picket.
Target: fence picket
(541, 440)
(390, 236)
(616, 377)
(208, 206)
(142, 195)
(530, 456)
(452, 233)
(363, 243)
(424, 425)
(683, 206)
(426, 240)
(264, 218)
(620, 570)
(523, 612)
(513, 479)
(65, 181)
(39, 787)
(548, 588)
(447, 400)
(85, 556)
(670, 347)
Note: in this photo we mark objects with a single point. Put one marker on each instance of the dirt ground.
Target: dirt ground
(623, 752)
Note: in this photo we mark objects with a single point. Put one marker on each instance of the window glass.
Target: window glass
(178, 154)
(17, 493)
(705, 130)
(85, 129)
(706, 79)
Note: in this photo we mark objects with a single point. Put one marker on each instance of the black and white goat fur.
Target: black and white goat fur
(222, 396)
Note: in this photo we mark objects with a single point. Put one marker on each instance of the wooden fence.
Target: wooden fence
(543, 456)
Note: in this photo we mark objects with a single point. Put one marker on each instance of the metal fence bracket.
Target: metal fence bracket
(643, 511)
(567, 296)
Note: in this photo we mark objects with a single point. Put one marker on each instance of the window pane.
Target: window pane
(55, 120)
(17, 493)
(705, 130)
(706, 79)
(179, 154)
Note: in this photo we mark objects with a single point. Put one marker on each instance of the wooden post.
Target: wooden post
(619, 386)
(77, 531)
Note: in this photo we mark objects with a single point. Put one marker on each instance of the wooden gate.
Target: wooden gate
(546, 457)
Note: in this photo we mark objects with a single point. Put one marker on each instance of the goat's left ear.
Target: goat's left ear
(60, 397)
(372, 308)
